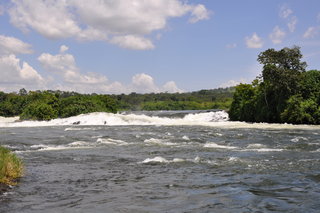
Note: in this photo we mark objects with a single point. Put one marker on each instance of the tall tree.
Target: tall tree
(282, 71)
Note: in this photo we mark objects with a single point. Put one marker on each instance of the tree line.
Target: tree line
(220, 98)
(49, 104)
(284, 92)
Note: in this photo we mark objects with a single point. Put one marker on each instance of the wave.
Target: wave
(102, 118)
(160, 160)
(192, 118)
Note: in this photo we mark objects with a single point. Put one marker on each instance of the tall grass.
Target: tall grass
(10, 167)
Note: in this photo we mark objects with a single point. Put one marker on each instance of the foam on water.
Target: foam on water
(263, 150)
(298, 139)
(160, 160)
(111, 141)
(255, 145)
(210, 119)
(217, 146)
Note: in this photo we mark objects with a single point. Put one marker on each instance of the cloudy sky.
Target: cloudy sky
(123, 46)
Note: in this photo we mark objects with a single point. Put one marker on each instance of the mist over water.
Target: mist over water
(193, 161)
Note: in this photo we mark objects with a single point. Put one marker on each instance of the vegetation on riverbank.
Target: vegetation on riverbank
(10, 167)
(46, 105)
(284, 93)
(220, 98)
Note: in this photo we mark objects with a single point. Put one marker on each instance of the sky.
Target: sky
(144, 46)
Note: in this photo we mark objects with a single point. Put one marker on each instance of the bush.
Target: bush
(10, 167)
(39, 111)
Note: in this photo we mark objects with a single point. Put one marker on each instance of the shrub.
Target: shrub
(10, 167)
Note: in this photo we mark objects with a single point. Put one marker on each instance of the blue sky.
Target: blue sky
(142, 46)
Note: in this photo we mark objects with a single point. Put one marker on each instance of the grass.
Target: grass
(11, 167)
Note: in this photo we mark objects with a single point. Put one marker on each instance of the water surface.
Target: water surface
(192, 162)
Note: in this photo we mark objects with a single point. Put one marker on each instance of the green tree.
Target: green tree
(282, 71)
(284, 92)
(243, 106)
(38, 110)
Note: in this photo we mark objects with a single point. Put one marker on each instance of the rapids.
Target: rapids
(185, 161)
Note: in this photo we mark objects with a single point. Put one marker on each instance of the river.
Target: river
(193, 161)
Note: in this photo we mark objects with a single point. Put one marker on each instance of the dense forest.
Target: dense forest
(46, 105)
(220, 98)
(284, 93)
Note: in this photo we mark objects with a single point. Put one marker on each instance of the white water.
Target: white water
(210, 119)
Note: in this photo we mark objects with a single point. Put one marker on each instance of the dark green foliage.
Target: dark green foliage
(11, 104)
(204, 99)
(80, 104)
(284, 92)
(47, 105)
(243, 106)
(38, 110)
(301, 111)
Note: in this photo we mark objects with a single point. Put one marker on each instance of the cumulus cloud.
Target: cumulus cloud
(199, 13)
(277, 35)
(254, 41)
(51, 19)
(143, 83)
(11, 45)
(63, 48)
(121, 22)
(232, 83)
(64, 65)
(14, 76)
(171, 87)
(68, 76)
(311, 32)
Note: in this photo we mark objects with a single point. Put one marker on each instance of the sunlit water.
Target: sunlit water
(163, 162)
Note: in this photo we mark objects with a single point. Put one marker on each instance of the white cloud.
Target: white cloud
(51, 19)
(287, 14)
(64, 65)
(171, 87)
(63, 48)
(311, 32)
(254, 41)
(67, 76)
(232, 83)
(14, 76)
(143, 83)
(199, 13)
(132, 42)
(11, 45)
(277, 35)
(113, 21)
(292, 23)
